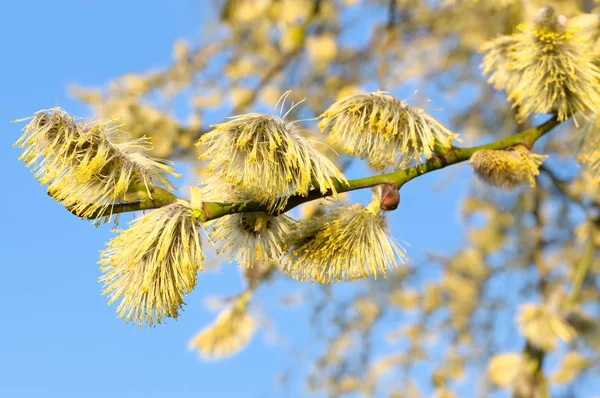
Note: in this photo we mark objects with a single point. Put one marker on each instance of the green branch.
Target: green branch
(138, 194)
(453, 155)
(398, 178)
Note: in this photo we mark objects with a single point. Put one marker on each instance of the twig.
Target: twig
(454, 155)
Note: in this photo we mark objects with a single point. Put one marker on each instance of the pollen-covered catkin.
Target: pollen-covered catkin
(586, 145)
(153, 264)
(230, 333)
(88, 166)
(348, 242)
(507, 169)
(245, 237)
(250, 237)
(546, 67)
(267, 157)
(387, 132)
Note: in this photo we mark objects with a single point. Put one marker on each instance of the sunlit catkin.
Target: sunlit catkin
(507, 169)
(230, 333)
(348, 242)
(153, 264)
(250, 237)
(87, 167)
(545, 68)
(386, 131)
(587, 147)
(267, 157)
(497, 62)
(245, 237)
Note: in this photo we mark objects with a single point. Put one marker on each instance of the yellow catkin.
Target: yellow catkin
(88, 166)
(545, 67)
(385, 131)
(230, 333)
(250, 237)
(507, 169)
(348, 242)
(153, 264)
(245, 237)
(543, 327)
(587, 147)
(268, 158)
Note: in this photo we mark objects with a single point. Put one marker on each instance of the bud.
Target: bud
(180, 50)
(390, 197)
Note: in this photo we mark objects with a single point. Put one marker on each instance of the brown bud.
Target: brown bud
(390, 197)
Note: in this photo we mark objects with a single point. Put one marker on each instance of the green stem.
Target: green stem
(453, 155)
(160, 197)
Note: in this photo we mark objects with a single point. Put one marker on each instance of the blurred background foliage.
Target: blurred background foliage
(528, 258)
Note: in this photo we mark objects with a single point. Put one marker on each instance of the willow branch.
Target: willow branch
(451, 156)
(442, 159)
(562, 187)
(582, 270)
(158, 197)
(535, 376)
(535, 355)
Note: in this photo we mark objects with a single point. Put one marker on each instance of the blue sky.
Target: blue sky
(59, 338)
